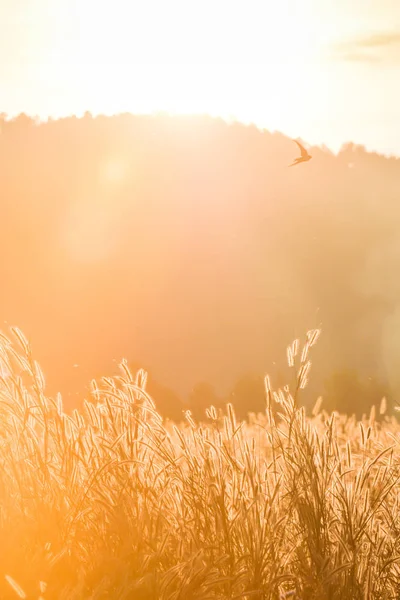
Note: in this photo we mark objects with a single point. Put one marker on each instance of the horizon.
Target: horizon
(323, 146)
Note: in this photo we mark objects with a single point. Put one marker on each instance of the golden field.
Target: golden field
(111, 501)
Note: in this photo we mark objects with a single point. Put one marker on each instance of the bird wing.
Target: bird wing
(296, 161)
(302, 149)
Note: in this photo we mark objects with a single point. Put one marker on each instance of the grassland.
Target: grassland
(112, 502)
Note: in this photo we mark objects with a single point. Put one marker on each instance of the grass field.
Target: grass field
(112, 502)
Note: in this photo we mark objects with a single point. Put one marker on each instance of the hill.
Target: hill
(186, 245)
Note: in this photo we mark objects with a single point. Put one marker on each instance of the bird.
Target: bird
(304, 157)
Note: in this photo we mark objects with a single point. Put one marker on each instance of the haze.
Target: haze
(187, 246)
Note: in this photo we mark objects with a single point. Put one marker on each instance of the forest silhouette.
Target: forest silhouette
(186, 245)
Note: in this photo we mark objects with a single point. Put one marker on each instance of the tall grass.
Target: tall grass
(112, 502)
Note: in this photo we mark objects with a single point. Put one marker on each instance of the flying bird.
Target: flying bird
(304, 157)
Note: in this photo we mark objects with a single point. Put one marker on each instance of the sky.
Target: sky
(326, 71)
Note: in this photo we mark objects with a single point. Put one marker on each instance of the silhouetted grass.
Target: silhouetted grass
(110, 502)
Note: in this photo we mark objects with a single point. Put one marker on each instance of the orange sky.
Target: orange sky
(325, 70)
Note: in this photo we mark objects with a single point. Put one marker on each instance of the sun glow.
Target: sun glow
(180, 57)
(285, 65)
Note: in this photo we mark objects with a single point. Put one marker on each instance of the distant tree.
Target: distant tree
(248, 395)
(347, 393)
(3, 121)
(19, 124)
(167, 402)
(202, 396)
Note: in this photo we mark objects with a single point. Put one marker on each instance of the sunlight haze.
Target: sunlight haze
(325, 71)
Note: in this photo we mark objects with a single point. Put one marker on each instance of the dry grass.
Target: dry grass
(111, 502)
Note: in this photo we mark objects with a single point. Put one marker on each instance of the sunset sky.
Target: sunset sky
(325, 70)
